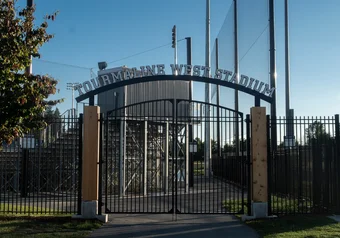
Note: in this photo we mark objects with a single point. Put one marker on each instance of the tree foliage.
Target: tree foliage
(23, 96)
(316, 131)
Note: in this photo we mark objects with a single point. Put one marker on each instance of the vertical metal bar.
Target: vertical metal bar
(237, 73)
(145, 157)
(122, 143)
(166, 169)
(187, 158)
(80, 162)
(337, 162)
(91, 101)
(249, 164)
(106, 157)
(24, 172)
(269, 167)
(272, 73)
(100, 164)
(287, 70)
(219, 152)
(189, 62)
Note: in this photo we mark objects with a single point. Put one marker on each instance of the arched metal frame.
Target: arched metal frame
(258, 96)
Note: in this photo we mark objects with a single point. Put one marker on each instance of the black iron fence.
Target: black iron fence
(39, 173)
(304, 168)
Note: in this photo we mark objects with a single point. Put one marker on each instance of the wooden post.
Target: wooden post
(259, 154)
(91, 153)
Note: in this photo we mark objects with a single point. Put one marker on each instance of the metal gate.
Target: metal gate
(155, 160)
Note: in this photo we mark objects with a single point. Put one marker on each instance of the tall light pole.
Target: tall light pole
(272, 58)
(174, 43)
(71, 86)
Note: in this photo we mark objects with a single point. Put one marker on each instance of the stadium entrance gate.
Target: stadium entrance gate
(153, 159)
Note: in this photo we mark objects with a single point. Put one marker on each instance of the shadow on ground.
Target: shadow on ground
(166, 225)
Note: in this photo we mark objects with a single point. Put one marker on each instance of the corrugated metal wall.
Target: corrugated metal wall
(145, 92)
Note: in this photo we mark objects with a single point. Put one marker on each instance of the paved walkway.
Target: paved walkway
(162, 225)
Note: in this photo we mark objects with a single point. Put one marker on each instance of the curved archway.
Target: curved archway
(257, 94)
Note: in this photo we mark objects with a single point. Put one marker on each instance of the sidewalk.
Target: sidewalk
(161, 225)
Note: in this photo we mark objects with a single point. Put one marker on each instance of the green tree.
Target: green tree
(316, 131)
(23, 96)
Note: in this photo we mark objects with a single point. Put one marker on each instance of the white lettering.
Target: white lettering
(256, 87)
(206, 72)
(106, 79)
(233, 79)
(117, 76)
(250, 85)
(227, 74)
(187, 69)
(268, 90)
(142, 71)
(160, 69)
(96, 83)
(128, 74)
(136, 73)
(197, 70)
(244, 80)
(176, 68)
(151, 71)
(87, 86)
(218, 74)
(78, 87)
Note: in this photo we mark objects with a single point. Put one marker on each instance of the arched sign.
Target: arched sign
(182, 72)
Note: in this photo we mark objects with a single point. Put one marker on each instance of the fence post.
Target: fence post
(259, 160)
(269, 167)
(100, 164)
(90, 165)
(80, 161)
(249, 164)
(337, 163)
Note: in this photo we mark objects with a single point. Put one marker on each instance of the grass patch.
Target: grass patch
(279, 204)
(13, 210)
(43, 227)
(297, 226)
(198, 172)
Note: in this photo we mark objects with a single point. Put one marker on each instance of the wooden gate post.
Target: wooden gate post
(259, 155)
(90, 173)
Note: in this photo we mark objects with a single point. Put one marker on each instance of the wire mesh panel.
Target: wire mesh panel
(40, 172)
(304, 172)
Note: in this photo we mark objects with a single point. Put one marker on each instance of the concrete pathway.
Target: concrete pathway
(162, 225)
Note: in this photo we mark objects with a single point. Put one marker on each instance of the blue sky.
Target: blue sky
(87, 32)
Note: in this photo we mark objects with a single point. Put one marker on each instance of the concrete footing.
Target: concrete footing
(259, 210)
(89, 210)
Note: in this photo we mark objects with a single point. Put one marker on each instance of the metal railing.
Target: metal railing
(39, 173)
(304, 169)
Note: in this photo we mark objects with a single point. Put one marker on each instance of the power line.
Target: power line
(127, 57)
(63, 64)
(146, 51)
